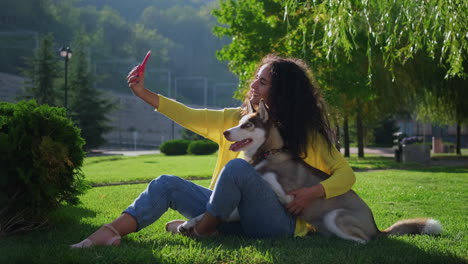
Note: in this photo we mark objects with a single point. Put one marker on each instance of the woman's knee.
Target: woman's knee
(165, 182)
(238, 169)
(238, 164)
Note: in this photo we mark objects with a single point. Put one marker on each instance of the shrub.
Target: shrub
(202, 147)
(175, 147)
(40, 158)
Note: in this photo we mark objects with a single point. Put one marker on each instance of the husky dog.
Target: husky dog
(346, 216)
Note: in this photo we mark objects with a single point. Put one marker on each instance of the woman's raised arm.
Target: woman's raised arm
(136, 82)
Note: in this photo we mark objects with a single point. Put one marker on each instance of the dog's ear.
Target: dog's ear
(263, 111)
(250, 107)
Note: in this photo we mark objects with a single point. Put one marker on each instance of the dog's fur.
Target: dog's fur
(346, 216)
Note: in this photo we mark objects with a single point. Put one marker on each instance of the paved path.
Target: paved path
(386, 152)
(131, 152)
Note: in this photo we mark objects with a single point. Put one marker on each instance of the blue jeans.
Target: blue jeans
(238, 185)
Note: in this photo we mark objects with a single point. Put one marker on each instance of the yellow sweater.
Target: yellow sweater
(212, 123)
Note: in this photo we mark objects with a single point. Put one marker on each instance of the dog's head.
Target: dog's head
(251, 132)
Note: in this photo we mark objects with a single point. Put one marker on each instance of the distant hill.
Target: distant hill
(132, 10)
(120, 32)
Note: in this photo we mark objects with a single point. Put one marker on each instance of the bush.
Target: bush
(175, 147)
(40, 158)
(202, 147)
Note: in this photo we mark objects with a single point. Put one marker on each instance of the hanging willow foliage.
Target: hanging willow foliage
(399, 28)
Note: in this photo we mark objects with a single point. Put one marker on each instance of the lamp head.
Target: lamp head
(65, 52)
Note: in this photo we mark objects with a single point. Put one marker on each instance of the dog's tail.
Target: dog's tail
(415, 226)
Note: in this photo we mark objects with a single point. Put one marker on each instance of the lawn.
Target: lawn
(392, 194)
(118, 169)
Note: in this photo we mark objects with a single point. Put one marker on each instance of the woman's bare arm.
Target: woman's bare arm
(136, 82)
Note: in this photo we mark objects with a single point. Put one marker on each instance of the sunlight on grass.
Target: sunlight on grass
(392, 195)
(372, 162)
(146, 167)
(464, 155)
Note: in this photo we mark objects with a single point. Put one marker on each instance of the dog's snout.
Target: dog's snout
(226, 133)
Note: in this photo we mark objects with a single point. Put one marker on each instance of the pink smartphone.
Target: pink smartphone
(141, 67)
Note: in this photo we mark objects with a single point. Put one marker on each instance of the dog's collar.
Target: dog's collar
(264, 154)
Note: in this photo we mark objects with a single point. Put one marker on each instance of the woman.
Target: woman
(297, 107)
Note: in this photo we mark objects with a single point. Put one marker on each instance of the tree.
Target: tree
(255, 29)
(41, 71)
(178, 32)
(364, 45)
(88, 106)
(24, 14)
(443, 101)
(400, 28)
(432, 32)
(260, 27)
(383, 134)
(192, 50)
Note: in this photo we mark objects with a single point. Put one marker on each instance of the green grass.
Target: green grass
(440, 193)
(373, 162)
(121, 169)
(113, 169)
(464, 155)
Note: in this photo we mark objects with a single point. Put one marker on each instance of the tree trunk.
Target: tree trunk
(458, 141)
(346, 136)
(360, 134)
(337, 140)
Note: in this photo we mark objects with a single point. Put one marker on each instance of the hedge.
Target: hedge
(202, 147)
(40, 158)
(174, 147)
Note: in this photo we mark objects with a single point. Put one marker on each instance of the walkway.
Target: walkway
(385, 152)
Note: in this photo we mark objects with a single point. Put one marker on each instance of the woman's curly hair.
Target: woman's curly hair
(295, 104)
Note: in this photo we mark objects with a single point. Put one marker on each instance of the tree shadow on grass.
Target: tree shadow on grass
(388, 163)
(447, 169)
(317, 249)
(53, 247)
(154, 245)
(51, 244)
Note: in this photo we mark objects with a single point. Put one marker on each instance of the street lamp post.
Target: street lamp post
(66, 53)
